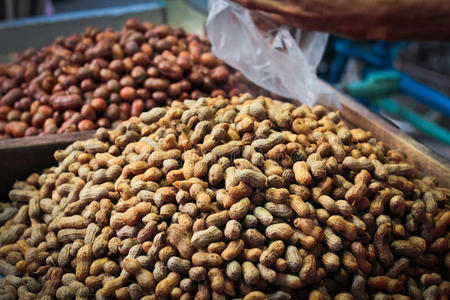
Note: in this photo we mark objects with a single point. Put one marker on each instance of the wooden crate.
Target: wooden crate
(427, 161)
(20, 157)
(23, 156)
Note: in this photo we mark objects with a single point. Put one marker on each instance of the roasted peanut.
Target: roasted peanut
(208, 199)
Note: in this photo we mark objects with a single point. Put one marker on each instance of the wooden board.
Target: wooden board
(21, 157)
(427, 161)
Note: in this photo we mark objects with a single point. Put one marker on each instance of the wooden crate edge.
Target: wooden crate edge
(426, 160)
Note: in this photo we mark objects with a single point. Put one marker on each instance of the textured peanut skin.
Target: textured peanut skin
(217, 198)
(166, 285)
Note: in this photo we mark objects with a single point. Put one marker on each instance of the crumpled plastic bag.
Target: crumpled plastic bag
(278, 58)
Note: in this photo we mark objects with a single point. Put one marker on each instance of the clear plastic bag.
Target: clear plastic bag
(276, 57)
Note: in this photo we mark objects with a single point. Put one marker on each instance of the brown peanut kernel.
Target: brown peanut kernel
(301, 207)
(96, 78)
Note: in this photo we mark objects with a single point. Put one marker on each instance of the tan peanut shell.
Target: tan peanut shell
(241, 198)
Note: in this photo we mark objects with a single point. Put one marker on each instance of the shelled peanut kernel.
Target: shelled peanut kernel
(100, 78)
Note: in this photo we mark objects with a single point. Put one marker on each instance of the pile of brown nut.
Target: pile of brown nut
(227, 199)
(94, 79)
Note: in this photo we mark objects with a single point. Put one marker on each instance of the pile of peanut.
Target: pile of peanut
(97, 78)
(248, 198)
